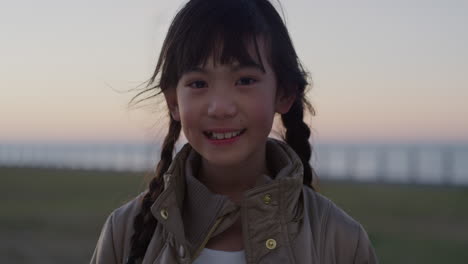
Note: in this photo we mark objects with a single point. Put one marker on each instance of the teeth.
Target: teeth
(224, 135)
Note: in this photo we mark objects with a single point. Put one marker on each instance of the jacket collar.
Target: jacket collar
(190, 220)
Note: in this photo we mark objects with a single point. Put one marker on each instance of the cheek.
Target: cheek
(190, 123)
(261, 113)
(189, 113)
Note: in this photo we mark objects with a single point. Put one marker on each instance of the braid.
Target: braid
(144, 223)
(297, 136)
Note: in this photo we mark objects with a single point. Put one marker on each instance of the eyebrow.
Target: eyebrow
(235, 68)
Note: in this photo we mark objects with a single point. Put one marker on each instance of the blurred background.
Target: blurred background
(390, 135)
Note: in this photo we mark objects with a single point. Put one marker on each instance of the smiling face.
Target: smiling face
(227, 110)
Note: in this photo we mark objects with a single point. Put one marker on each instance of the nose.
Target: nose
(222, 106)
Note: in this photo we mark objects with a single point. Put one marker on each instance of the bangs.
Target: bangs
(224, 30)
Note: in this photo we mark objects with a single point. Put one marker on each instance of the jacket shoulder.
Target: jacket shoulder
(114, 241)
(327, 212)
(338, 235)
(124, 215)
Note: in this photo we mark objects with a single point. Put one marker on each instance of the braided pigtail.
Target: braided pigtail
(297, 136)
(144, 223)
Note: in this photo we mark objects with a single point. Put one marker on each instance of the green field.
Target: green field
(55, 216)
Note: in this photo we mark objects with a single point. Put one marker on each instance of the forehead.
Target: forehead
(252, 54)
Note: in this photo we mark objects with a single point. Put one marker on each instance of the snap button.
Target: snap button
(271, 243)
(267, 198)
(164, 213)
(181, 251)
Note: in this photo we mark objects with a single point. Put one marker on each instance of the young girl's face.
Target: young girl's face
(227, 110)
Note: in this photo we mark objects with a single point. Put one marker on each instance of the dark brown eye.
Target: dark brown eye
(198, 84)
(246, 81)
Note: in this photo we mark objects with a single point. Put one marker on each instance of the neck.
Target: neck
(234, 179)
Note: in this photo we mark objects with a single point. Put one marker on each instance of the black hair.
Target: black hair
(224, 28)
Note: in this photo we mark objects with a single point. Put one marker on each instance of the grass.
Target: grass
(55, 216)
(409, 224)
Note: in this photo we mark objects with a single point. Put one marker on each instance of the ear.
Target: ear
(170, 94)
(283, 103)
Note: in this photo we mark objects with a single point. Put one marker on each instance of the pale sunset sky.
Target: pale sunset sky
(388, 70)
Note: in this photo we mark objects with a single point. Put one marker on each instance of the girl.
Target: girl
(231, 194)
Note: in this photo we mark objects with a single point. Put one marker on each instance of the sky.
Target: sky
(382, 70)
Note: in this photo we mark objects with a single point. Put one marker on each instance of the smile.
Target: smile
(223, 135)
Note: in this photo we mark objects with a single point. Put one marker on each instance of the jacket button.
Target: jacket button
(271, 243)
(181, 251)
(164, 213)
(267, 198)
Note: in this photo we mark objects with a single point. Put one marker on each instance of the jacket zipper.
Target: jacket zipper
(207, 238)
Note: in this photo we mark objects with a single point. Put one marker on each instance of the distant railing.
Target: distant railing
(394, 163)
(414, 164)
(110, 157)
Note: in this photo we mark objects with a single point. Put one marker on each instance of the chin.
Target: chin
(227, 161)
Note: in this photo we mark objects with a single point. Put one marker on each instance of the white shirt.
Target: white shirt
(210, 256)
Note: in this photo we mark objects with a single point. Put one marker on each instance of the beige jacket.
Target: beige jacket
(282, 220)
